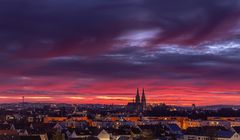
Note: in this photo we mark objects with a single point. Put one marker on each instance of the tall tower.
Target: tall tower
(137, 98)
(143, 101)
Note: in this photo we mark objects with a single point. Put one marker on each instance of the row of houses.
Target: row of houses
(182, 122)
(117, 128)
(59, 131)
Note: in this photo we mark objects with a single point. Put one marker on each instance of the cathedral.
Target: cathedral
(139, 104)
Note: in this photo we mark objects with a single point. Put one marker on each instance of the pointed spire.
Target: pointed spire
(143, 96)
(143, 101)
(143, 93)
(137, 100)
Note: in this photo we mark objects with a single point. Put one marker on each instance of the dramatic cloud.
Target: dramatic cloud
(83, 51)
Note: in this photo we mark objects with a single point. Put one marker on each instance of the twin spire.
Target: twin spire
(140, 101)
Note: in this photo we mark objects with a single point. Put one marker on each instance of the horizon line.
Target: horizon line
(118, 104)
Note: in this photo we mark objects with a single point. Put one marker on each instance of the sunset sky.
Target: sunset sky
(99, 51)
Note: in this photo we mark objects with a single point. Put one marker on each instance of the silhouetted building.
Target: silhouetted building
(137, 98)
(144, 102)
(139, 104)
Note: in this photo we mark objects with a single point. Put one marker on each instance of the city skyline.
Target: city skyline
(101, 51)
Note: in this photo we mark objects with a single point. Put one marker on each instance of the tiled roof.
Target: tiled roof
(224, 134)
(220, 132)
(174, 127)
(30, 138)
(8, 132)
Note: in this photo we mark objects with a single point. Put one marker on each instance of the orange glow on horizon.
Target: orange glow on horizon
(184, 93)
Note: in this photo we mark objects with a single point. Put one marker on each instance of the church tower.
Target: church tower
(137, 98)
(143, 101)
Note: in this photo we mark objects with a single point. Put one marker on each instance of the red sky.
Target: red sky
(100, 51)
